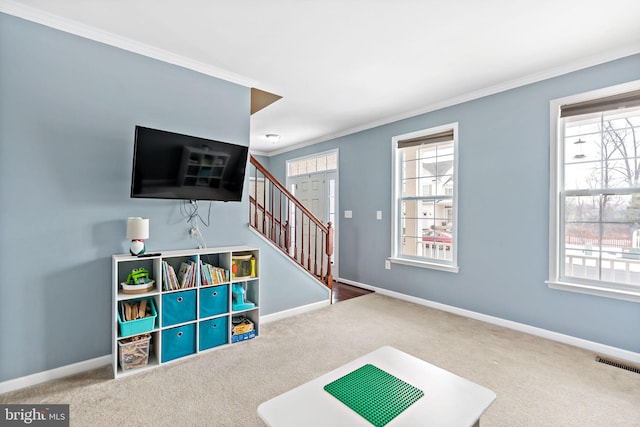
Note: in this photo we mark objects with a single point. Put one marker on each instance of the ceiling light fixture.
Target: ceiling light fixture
(272, 137)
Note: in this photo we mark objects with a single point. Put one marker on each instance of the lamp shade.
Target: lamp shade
(137, 228)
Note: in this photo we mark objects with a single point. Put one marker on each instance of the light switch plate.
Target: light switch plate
(379, 215)
(348, 214)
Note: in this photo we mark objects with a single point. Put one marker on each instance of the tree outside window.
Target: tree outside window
(600, 196)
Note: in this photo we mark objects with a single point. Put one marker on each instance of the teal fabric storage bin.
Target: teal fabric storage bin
(178, 307)
(214, 332)
(178, 342)
(214, 300)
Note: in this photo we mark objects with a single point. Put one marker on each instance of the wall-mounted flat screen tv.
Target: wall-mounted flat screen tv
(169, 165)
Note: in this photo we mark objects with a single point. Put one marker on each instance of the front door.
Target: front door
(309, 190)
(311, 193)
(316, 192)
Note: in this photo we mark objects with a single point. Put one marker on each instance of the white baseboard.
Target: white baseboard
(54, 374)
(293, 311)
(601, 349)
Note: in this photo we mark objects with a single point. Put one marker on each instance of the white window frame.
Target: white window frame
(556, 157)
(396, 193)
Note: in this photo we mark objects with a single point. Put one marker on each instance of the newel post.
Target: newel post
(329, 252)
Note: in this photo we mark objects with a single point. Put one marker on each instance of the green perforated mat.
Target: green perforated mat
(375, 394)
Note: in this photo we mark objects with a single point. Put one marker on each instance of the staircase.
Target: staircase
(278, 216)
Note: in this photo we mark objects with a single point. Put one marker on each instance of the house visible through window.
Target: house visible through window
(424, 197)
(595, 215)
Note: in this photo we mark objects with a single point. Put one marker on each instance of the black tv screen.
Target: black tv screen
(169, 165)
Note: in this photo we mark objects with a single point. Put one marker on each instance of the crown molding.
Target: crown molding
(92, 33)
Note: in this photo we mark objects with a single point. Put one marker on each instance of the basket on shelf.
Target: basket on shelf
(134, 352)
(137, 282)
(141, 324)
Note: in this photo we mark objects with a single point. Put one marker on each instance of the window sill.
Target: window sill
(621, 294)
(426, 264)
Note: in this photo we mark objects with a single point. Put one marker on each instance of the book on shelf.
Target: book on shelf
(169, 278)
(187, 275)
(205, 270)
(211, 275)
(203, 275)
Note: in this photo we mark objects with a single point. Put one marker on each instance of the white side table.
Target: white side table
(448, 400)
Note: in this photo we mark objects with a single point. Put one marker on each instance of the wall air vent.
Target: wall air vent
(618, 364)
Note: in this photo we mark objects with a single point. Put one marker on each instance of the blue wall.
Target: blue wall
(503, 211)
(68, 108)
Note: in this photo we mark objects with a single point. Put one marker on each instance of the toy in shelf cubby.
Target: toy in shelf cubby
(239, 303)
(137, 282)
(243, 266)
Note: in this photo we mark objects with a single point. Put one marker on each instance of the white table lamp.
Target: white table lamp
(137, 232)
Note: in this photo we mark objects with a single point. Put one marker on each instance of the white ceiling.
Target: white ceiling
(347, 65)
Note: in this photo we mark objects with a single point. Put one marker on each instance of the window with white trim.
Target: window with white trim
(424, 198)
(595, 193)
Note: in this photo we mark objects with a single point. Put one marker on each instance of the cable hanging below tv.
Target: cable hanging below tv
(168, 165)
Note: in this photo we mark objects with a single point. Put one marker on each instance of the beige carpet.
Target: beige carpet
(537, 382)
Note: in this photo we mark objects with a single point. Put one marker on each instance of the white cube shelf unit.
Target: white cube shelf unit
(188, 320)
